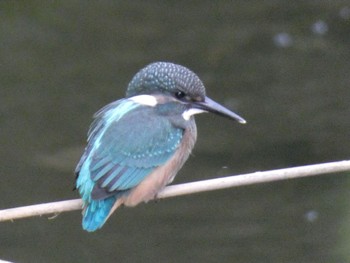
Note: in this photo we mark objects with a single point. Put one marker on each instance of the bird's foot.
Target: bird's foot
(156, 199)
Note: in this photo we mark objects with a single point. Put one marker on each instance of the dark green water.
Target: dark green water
(284, 66)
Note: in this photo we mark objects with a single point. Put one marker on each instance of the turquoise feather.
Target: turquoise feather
(132, 137)
(122, 151)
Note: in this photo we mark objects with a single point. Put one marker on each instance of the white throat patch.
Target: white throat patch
(187, 114)
(147, 100)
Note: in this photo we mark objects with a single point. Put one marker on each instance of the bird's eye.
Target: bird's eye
(179, 94)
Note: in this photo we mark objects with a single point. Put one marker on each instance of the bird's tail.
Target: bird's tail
(96, 213)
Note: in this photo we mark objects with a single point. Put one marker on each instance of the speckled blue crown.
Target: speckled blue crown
(165, 77)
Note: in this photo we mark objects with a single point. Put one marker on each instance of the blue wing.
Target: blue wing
(126, 142)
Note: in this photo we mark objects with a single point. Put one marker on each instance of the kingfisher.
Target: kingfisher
(136, 145)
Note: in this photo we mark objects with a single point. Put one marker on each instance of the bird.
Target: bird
(137, 144)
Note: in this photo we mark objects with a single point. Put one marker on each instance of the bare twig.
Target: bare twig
(188, 188)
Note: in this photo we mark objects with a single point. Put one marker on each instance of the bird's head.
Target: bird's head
(166, 82)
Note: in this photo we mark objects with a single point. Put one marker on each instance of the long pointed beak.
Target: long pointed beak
(211, 106)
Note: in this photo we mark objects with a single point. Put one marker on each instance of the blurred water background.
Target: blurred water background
(282, 65)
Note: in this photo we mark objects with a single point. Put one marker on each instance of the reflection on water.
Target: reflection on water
(282, 66)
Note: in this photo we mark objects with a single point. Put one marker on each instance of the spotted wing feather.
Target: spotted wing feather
(123, 151)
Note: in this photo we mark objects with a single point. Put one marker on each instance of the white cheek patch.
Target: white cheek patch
(147, 100)
(187, 114)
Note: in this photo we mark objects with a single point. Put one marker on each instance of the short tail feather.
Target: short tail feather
(96, 213)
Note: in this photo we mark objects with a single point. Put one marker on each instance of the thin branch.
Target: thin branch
(188, 188)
